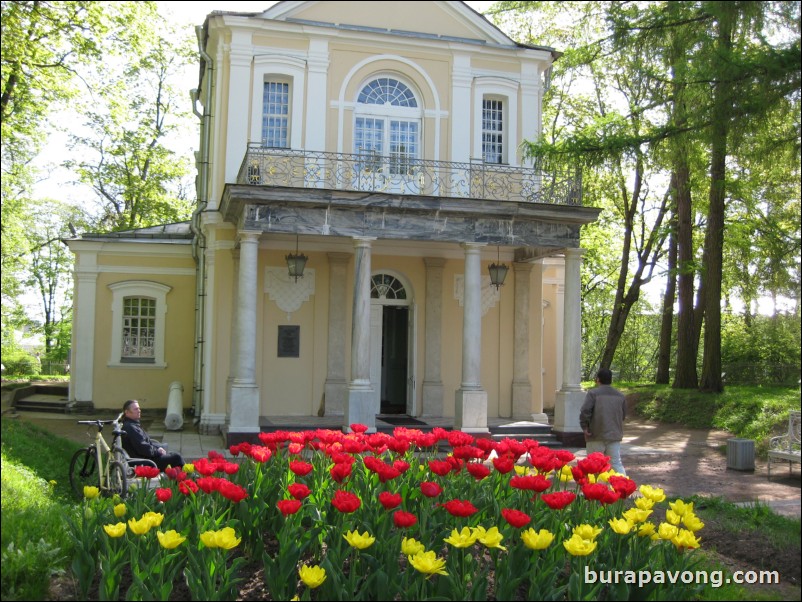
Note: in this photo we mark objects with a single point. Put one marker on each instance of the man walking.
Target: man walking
(602, 419)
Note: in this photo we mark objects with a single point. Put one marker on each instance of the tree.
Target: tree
(126, 160)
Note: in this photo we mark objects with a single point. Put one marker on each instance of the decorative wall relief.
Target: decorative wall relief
(490, 295)
(285, 291)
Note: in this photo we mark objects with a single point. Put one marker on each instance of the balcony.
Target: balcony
(405, 176)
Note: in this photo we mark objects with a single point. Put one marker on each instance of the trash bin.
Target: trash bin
(741, 454)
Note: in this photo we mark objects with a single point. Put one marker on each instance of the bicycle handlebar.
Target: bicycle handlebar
(98, 423)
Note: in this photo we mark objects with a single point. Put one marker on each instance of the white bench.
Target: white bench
(786, 448)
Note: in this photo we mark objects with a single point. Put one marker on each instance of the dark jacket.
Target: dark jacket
(603, 414)
(137, 442)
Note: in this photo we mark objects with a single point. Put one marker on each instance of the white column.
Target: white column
(318, 68)
(240, 56)
(470, 411)
(336, 385)
(360, 407)
(461, 79)
(82, 352)
(244, 416)
(570, 396)
(433, 338)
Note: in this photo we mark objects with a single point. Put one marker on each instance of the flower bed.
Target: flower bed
(363, 516)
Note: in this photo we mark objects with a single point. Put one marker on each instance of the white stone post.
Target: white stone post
(244, 414)
(470, 411)
(570, 396)
(360, 407)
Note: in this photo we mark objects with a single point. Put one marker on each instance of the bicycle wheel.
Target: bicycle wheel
(118, 482)
(83, 470)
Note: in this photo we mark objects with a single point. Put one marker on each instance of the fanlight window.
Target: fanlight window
(387, 91)
(385, 286)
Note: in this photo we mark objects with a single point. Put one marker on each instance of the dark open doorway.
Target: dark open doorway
(395, 332)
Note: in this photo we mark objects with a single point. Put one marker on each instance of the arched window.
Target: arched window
(387, 127)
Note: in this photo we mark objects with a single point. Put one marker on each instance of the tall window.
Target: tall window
(492, 130)
(387, 127)
(275, 114)
(139, 309)
(139, 329)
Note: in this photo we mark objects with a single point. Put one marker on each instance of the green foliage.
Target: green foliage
(34, 542)
(761, 350)
(21, 363)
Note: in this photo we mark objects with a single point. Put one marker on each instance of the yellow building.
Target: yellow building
(381, 142)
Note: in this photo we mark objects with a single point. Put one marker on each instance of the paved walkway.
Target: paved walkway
(682, 461)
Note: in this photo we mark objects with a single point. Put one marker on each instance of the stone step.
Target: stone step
(53, 404)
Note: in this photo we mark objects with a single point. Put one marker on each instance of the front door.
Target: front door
(391, 370)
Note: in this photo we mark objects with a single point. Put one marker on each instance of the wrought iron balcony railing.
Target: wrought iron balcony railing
(403, 175)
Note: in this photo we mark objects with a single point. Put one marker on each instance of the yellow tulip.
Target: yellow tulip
(225, 538)
(360, 542)
(188, 468)
(428, 563)
(667, 531)
(312, 576)
(622, 526)
(117, 530)
(646, 530)
(139, 527)
(119, 510)
(653, 493)
(537, 540)
(90, 492)
(587, 531)
(636, 515)
(171, 539)
(685, 539)
(681, 507)
(672, 517)
(692, 522)
(410, 546)
(644, 503)
(155, 518)
(492, 538)
(520, 470)
(462, 539)
(576, 546)
(566, 474)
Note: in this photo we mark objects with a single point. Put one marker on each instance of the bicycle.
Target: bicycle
(100, 465)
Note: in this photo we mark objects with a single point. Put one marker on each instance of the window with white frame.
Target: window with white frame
(139, 329)
(493, 130)
(276, 114)
(387, 127)
(139, 310)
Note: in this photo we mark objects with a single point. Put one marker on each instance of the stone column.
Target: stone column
(470, 411)
(360, 407)
(244, 417)
(521, 385)
(433, 338)
(336, 387)
(570, 396)
(82, 369)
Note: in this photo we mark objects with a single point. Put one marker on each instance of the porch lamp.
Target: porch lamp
(296, 262)
(498, 271)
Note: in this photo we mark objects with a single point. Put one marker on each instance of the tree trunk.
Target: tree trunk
(667, 322)
(711, 379)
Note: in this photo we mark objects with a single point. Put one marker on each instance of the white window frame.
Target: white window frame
(138, 288)
(285, 69)
(277, 81)
(498, 137)
(388, 114)
(505, 90)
